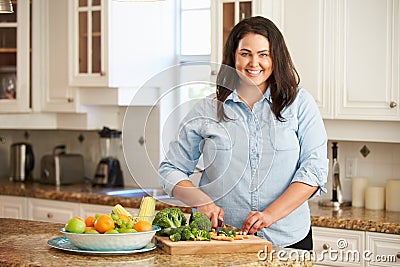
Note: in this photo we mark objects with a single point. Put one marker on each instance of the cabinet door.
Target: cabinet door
(13, 207)
(337, 247)
(368, 59)
(383, 249)
(311, 47)
(51, 210)
(87, 32)
(224, 15)
(15, 58)
(55, 93)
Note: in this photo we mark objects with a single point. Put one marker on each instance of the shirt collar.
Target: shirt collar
(235, 98)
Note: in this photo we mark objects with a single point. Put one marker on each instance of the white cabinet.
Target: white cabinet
(337, 247)
(311, 45)
(15, 61)
(382, 249)
(55, 94)
(51, 210)
(368, 60)
(224, 15)
(13, 207)
(118, 43)
(348, 61)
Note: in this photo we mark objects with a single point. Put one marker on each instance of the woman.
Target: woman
(262, 140)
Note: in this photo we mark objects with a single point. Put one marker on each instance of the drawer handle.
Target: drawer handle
(50, 215)
(393, 104)
(398, 255)
(325, 246)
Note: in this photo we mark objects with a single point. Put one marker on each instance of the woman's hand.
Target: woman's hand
(255, 221)
(295, 195)
(213, 212)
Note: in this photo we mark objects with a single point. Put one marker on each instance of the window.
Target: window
(195, 29)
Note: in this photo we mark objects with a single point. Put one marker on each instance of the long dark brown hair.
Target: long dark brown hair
(284, 79)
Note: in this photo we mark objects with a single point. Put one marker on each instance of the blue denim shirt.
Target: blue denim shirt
(251, 159)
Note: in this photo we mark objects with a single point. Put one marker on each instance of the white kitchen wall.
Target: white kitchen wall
(382, 163)
(43, 142)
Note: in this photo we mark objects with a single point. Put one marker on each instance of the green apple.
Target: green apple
(75, 225)
(91, 231)
(112, 231)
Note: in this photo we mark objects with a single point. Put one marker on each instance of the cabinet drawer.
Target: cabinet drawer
(383, 249)
(13, 207)
(337, 247)
(52, 210)
(91, 209)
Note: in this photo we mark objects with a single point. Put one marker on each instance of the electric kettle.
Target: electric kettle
(22, 162)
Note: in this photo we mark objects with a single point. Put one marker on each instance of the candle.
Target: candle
(393, 195)
(375, 198)
(358, 185)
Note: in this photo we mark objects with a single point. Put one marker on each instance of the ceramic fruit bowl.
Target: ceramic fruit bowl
(111, 242)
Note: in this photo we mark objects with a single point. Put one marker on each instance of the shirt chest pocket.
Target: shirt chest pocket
(284, 133)
(219, 135)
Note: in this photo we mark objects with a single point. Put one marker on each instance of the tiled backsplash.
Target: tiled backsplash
(382, 163)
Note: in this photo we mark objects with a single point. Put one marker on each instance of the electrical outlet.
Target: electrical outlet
(351, 167)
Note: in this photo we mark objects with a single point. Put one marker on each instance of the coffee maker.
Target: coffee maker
(108, 171)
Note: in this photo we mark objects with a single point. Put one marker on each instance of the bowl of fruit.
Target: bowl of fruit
(117, 231)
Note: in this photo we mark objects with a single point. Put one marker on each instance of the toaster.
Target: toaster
(61, 168)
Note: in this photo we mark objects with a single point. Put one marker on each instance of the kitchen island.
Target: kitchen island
(349, 218)
(24, 243)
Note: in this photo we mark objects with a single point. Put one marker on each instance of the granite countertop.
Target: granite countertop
(350, 218)
(80, 193)
(24, 243)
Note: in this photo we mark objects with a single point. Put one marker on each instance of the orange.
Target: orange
(104, 223)
(89, 221)
(142, 226)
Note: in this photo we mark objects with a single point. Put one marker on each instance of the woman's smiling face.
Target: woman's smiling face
(253, 61)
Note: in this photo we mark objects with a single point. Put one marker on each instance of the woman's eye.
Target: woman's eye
(264, 55)
(244, 54)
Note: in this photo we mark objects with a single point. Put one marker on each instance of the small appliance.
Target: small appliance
(62, 168)
(22, 162)
(108, 171)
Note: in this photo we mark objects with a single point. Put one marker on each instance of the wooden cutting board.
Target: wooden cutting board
(252, 244)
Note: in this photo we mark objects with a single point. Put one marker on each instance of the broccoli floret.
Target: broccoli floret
(169, 218)
(202, 235)
(187, 234)
(175, 237)
(200, 221)
(165, 231)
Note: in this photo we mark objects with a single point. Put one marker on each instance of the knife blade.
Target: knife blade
(228, 227)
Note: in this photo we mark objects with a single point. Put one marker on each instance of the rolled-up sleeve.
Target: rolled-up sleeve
(183, 153)
(313, 162)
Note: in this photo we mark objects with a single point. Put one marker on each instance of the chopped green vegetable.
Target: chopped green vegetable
(200, 221)
(175, 237)
(169, 218)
